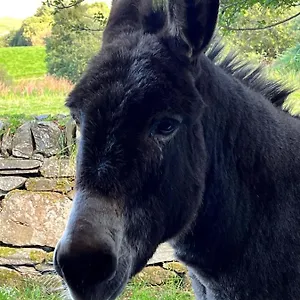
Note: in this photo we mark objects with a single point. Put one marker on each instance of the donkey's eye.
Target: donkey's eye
(165, 127)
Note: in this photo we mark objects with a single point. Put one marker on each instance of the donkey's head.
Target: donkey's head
(141, 161)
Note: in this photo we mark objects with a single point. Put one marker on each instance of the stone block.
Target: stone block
(24, 256)
(62, 185)
(18, 164)
(9, 166)
(33, 218)
(164, 253)
(6, 144)
(57, 167)
(46, 138)
(70, 132)
(9, 183)
(22, 143)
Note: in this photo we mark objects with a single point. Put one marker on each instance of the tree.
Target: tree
(75, 39)
(229, 10)
(33, 30)
(37, 28)
(267, 44)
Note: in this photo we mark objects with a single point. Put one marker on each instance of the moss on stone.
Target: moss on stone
(44, 184)
(8, 276)
(155, 275)
(49, 257)
(64, 185)
(6, 251)
(176, 267)
(51, 196)
(13, 192)
(37, 256)
(31, 185)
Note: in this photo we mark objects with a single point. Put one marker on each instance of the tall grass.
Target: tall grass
(35, 87)
(34, 97)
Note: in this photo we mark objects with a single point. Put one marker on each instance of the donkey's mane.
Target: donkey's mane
(252, 76)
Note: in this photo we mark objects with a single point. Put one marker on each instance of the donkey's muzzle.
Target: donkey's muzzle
(83, 267)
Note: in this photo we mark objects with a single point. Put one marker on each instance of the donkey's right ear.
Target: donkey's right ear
(191, 24)
(125, 16)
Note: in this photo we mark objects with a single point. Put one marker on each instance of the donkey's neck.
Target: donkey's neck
(252, 174)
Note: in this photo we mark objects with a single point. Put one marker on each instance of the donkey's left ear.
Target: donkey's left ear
(191, 24)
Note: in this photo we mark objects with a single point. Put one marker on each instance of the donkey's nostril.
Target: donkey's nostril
(85, 267)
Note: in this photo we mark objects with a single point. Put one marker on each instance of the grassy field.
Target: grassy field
(25, 90)
(23, 62)
(173, 290)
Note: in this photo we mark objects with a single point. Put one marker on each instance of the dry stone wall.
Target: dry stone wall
(36, 189)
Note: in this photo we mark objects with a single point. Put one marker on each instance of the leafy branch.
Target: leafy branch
(263, 27)
(60, 4)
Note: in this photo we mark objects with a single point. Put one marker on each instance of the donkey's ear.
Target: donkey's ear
(191, 24)
(125, 16)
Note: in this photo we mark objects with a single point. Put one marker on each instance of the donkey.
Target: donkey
(179, 145)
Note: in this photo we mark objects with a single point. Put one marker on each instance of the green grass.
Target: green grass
(7, 24)
(27, 291)
(30, 290)
(173, 290)
(25, 91)
(23, 62)
(26, 107)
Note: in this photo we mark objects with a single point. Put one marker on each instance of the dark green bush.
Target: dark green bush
(17, 39)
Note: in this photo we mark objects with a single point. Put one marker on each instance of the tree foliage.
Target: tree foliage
(267, 44)
(38, 27)
(231, 9)
(290, 60)
(75, 38)
(279, 16)
(32, 31)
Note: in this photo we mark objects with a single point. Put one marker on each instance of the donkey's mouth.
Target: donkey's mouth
(105, 290)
